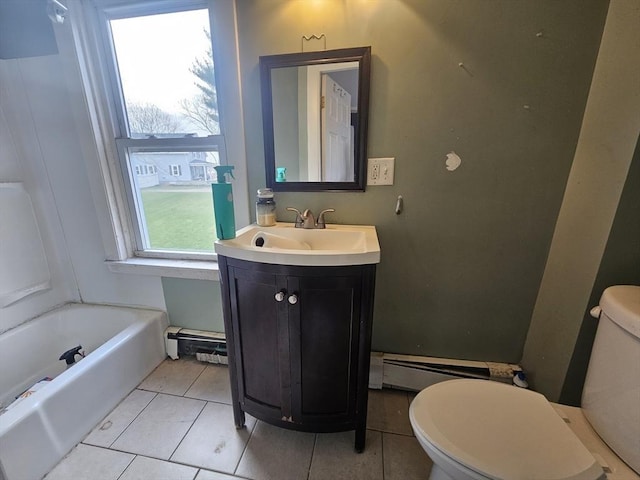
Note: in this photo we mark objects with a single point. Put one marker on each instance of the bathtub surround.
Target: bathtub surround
(23, 264)
(21, 161)
(46, 143)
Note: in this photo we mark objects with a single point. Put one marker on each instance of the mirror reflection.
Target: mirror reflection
(314, 114)
(315, 109)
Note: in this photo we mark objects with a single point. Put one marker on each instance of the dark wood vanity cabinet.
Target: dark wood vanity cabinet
(299, 341)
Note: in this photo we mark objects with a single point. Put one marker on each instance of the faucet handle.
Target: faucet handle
(299, 217)
(321, 223)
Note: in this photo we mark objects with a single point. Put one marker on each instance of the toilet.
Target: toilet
(479, 429)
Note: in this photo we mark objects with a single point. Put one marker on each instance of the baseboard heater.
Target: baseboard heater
(206, 346)
(412, 372)
(408, 372)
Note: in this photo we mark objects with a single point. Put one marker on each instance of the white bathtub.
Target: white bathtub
(123, 345)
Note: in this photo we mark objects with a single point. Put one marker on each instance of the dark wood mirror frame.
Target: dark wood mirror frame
(362, 55)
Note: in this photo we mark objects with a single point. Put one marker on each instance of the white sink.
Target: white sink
(284, 244)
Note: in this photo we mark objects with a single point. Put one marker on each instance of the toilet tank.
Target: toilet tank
(611, 394)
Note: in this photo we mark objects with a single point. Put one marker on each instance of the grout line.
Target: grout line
(382, 430)
(195, 467)
(128, 465)
(132, 420)
(184, 396)
(313, 452)
(132, 453)
(74, 449)
(125, 428)
(188, 430)
(382, 452)
(204, 367)
(246, 445)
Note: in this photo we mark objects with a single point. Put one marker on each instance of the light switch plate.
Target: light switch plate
(380, 171)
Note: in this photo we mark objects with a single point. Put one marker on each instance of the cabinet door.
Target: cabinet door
(324, 333)
(261, 341)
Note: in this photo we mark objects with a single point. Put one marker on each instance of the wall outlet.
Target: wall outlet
(380, 171)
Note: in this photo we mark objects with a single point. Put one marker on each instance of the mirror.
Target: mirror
(315, 109)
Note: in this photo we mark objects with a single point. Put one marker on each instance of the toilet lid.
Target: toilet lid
(500, 431)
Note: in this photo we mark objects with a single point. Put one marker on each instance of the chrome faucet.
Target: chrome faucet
(307, 220)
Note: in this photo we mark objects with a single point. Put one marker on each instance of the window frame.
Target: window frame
(96, 54)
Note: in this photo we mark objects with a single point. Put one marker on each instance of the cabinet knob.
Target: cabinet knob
(280, 295)
(293, 299)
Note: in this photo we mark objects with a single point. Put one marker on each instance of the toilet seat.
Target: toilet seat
(500, 431)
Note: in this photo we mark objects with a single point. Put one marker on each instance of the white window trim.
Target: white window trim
(119, 243)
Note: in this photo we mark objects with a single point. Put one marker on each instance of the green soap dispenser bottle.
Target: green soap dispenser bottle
(223, 203)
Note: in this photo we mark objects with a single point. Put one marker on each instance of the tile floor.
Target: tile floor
(178, 425)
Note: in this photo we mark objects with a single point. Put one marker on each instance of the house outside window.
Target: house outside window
(167, 122)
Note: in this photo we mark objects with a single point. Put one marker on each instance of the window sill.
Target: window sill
(159, 267)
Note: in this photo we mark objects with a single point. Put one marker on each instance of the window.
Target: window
(155, 70)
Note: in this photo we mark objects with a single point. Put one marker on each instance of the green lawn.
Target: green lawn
(181, 219)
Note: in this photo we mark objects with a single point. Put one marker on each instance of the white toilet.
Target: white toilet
(478, 429)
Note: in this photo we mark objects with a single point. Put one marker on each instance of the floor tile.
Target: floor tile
(144, 468)
(119, 419)
(335, 458)
(214, 442)
(212, 385)
(157, 431)
(275, 453)
(404, 458)
(207, 475)
(388, 411)
(173, 376)
(86, 462)
(198, 431)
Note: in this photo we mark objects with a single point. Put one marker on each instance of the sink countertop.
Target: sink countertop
(335, 245)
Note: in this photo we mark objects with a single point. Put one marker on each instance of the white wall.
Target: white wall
(46, 141)
(22, 161)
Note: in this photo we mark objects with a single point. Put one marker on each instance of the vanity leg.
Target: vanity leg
(361, 433)
(238, 416)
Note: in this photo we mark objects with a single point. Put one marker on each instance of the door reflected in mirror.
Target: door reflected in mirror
(315, 108)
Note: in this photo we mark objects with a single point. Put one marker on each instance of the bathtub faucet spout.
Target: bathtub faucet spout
(70, 355)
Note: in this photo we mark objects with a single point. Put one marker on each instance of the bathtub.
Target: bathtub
(122, 346)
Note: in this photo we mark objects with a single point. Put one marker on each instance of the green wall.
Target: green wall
(193, 304)
(620, 265)
(461, 267)
(608, 138)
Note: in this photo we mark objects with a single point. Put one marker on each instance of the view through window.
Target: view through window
(170, 139)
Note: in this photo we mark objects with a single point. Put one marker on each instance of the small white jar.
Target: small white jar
(265, 208)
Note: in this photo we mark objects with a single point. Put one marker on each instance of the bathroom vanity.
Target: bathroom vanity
(299, 335)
